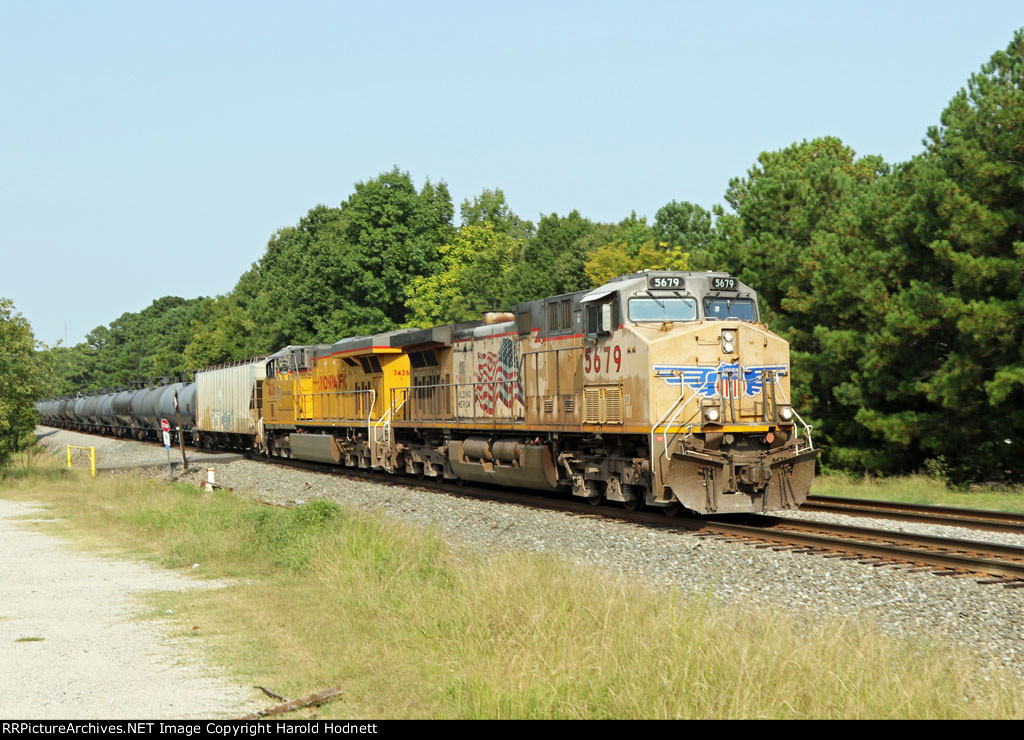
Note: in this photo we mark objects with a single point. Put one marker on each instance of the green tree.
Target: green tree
(23, 380)
(470, 281)
(551, 263)
(684, 226)
(617, 258)
(942, 373)
(222, 331)
(344, 271)
(784, 214)
(490, 207)
(393, 234)
(135, 346)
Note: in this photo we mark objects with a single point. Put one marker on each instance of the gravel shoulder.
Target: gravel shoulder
(72, 643)
(987, 620)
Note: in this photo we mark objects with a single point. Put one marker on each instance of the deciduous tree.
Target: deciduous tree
(23, 381)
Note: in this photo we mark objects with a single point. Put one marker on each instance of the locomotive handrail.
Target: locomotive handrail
(369, 417)
(302, 398)
(807, 427)
(660, 422)
(672, 420)
(454, 413)
(384, 423)
(385, 418)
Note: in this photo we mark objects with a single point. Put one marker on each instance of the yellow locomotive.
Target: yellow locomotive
(660, 389)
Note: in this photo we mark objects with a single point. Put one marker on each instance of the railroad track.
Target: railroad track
(986, 562)
(993, 521)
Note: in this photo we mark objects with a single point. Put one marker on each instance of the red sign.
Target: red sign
(165, 425)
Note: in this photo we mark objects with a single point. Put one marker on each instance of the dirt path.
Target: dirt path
(96, 658)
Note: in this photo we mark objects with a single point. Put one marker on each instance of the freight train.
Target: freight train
(658, 389)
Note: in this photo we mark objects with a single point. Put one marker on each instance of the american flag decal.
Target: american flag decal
(499, 373)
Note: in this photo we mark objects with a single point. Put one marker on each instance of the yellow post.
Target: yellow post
(92, 457)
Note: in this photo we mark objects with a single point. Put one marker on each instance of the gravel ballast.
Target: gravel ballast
(985, 619)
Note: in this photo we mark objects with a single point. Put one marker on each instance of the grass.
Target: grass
(408, 626)
(917, 489)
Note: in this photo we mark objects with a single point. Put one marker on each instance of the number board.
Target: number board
(723, 283)
(665, 283)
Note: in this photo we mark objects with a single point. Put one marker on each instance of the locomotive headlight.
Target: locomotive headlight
(728, 335)
(728, 347)
(729, 341)
(712, 414)
(786, 413)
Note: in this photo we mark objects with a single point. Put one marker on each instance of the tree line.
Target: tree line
(900, 286)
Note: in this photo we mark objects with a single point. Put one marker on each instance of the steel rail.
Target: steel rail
(1010, 572)
(993, 521)
(907, 540)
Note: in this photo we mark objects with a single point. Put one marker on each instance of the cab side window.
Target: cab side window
(598, 319)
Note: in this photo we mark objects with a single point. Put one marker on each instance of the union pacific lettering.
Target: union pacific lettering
(331, 382)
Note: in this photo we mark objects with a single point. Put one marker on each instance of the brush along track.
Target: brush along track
(993, 521)
(990, 563)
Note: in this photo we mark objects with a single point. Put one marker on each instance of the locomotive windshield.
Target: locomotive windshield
(730, 308)
(662, 309)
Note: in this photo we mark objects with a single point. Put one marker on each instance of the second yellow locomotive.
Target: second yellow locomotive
(660, 388)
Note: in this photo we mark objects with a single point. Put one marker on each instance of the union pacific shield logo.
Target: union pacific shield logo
(727, 380)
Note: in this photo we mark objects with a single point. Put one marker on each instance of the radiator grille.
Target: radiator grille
(613, 405)
(592, 405)
(602, 405)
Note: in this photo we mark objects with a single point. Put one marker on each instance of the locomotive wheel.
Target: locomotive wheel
(672, 509)
(596, 491)
(637, 501)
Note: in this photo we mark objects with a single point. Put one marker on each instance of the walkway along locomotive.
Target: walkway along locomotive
(660, 389)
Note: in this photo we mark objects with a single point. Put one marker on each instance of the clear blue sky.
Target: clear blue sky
(151, 149)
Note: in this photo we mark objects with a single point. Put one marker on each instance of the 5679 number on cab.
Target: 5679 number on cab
(594, 362)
